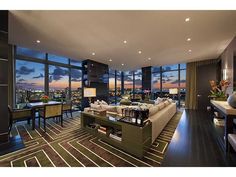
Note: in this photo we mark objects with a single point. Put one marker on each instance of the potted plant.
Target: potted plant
(218, 91)
(45, 99)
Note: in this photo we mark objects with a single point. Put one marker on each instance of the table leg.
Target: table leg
(228, 129)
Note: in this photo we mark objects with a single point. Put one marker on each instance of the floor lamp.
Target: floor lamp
(89, 93)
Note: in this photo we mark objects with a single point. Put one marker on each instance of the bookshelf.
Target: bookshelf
(130, 138)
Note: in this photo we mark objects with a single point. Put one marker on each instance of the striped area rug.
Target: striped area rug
(70, 146)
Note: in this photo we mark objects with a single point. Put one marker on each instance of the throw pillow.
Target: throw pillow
(95, 106)
(103, 102)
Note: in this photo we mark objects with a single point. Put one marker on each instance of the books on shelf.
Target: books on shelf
(102, 131)
(219, 122)
(115, 137)
(93, 125)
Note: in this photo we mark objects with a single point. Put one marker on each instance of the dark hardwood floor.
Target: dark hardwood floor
(198, 142)
(15, 143)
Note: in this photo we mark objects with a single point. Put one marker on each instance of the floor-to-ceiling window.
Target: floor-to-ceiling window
(29, 81)
(128, 83)
(112, 88)
(76, 88)
(166, 79)
(38, 73)
(170, 80)
(182, 80)
(138, 84)
(118, 86)
(156, 81)
(58, 83)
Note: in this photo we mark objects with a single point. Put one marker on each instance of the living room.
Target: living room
(117, 88)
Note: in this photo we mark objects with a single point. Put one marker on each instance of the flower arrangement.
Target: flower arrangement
(218, 91)
(44, 98)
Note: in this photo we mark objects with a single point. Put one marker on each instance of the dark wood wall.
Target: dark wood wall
(147, 78)
(95, 75)
(4, 50)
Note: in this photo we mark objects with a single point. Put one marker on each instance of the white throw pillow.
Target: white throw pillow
(170, 100)
(95, 106)
(103, 102)
(109, 108)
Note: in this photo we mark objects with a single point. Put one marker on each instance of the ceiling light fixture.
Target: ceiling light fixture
(187, 19)
(93, 53)
(122, 64)
(189, 39)
(125, 42)
(139, 51)
(110, 60)
(38, 41)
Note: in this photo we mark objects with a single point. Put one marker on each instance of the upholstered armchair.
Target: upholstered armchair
(18, 115)
(51, 111)
(67, 107)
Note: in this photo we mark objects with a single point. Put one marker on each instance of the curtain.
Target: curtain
(191, 82)
(191, 86)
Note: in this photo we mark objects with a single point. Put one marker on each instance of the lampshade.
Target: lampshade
(89, 92)
(173, 91)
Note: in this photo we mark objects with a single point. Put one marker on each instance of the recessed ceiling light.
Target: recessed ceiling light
(122, 64)
(93, 53)
(189, 39)
(139, 51)
(187, 19)
(110, 59)
(149, 58)
(38, 41)
(189, 50)
(125, 42)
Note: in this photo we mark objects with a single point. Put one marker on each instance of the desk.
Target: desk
(38, 105)
(229, 114)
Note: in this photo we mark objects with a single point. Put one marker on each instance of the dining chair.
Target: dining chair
(51, 111)
(18, 115)
(67, 107)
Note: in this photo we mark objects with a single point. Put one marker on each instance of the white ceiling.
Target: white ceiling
(160, 35)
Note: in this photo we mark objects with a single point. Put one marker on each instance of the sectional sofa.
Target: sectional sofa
(159, 113)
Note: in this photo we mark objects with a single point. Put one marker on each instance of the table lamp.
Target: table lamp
(173, 91)
(89, 93)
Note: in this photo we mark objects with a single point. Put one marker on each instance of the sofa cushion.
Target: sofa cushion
(166, 102)
(103, 102)
(119, 109)
(109, 108)
(153, 110)
(161, 105)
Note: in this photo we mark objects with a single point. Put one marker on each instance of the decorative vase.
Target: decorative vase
(232, 100)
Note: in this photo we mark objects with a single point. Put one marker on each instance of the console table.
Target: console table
(228, 113)
(134, 139)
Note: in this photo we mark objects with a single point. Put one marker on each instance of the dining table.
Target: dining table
(38, 105)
